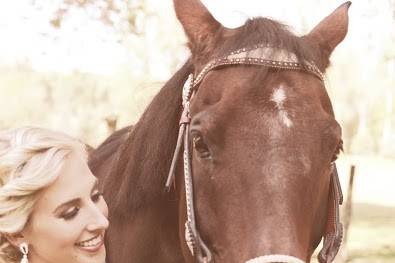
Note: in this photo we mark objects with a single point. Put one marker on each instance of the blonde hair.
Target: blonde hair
(30, 160)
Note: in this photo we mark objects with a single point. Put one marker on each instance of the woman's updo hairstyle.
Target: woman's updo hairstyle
(30, 160)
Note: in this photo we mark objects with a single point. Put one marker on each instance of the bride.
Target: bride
(51, 210)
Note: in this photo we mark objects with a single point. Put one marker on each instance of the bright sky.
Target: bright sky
(28, 36)
(235, 12)
(24, 30)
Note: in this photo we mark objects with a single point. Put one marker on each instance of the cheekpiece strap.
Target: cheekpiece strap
(187, 91)
(334, 229)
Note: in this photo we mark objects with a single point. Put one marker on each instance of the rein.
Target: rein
(270, 57)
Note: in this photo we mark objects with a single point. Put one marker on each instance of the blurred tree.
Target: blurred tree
(121, 15)
(145, 33)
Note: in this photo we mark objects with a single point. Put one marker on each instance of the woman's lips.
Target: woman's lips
(91, 245)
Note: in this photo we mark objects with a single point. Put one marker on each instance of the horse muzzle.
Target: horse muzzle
(275, 259)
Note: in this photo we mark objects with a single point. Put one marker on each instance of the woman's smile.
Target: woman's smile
(92, 245)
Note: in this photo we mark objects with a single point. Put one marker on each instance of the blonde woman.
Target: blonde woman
(51, 210)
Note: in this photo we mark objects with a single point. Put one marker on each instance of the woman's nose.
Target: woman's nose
(99, 220)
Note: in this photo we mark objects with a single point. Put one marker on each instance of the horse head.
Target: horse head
(263, 140)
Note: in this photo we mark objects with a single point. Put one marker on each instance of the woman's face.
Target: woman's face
(70, 218)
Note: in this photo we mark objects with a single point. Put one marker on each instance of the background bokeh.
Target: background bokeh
(71, 64)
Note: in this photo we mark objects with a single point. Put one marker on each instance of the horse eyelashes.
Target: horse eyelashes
(338, 150)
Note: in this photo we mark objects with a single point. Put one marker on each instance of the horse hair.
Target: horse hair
(138, 176)
(108, 147)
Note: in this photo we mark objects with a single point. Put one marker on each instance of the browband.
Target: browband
(261, 55)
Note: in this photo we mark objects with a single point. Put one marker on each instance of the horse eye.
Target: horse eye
(339, 149)
(200, 146)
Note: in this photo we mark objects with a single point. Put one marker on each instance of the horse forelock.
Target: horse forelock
(138, 177)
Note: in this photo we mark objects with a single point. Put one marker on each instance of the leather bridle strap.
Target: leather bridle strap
(184, 120)
(195, 244)
(261, 55)
(334, 229)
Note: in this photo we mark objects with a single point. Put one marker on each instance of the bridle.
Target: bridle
(260, 55)
(270, 57)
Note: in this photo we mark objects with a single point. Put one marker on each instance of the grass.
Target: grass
(372, 234)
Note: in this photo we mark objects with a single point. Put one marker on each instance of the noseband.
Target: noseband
(270, 57)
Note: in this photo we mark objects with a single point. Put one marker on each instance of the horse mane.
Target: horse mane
(138, 176)
(107, 148)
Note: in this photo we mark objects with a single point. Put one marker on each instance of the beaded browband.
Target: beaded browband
(262, 55)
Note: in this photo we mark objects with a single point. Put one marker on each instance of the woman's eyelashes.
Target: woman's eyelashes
(72, 212)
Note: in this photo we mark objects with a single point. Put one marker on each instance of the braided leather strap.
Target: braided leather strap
(334, 229)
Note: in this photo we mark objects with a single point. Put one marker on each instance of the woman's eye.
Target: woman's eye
(96, 197)
(71, 213)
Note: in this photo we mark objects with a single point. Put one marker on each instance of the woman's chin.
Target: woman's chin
(92, 254)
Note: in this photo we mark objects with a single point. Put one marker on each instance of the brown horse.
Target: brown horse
(260, 180)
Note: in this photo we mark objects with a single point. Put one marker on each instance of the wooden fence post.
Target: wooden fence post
(348, 205)
(111, 123)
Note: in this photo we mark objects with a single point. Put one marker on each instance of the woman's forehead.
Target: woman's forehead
(75, 180)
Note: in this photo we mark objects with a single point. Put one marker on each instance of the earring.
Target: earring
(24, 248)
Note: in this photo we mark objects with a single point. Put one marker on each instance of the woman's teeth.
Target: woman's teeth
(92, 242)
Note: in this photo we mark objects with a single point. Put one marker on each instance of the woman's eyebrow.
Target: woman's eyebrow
(76, 201)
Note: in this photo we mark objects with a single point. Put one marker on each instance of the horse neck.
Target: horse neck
(143, 216)
(146, 155)
(151, 236)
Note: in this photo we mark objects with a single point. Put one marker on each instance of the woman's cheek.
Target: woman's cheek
(72, 231)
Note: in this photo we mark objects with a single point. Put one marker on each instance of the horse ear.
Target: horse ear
(331, 31)
(199, 25)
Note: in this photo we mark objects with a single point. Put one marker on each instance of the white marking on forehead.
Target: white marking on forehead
(279, 98)
(285, 118)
